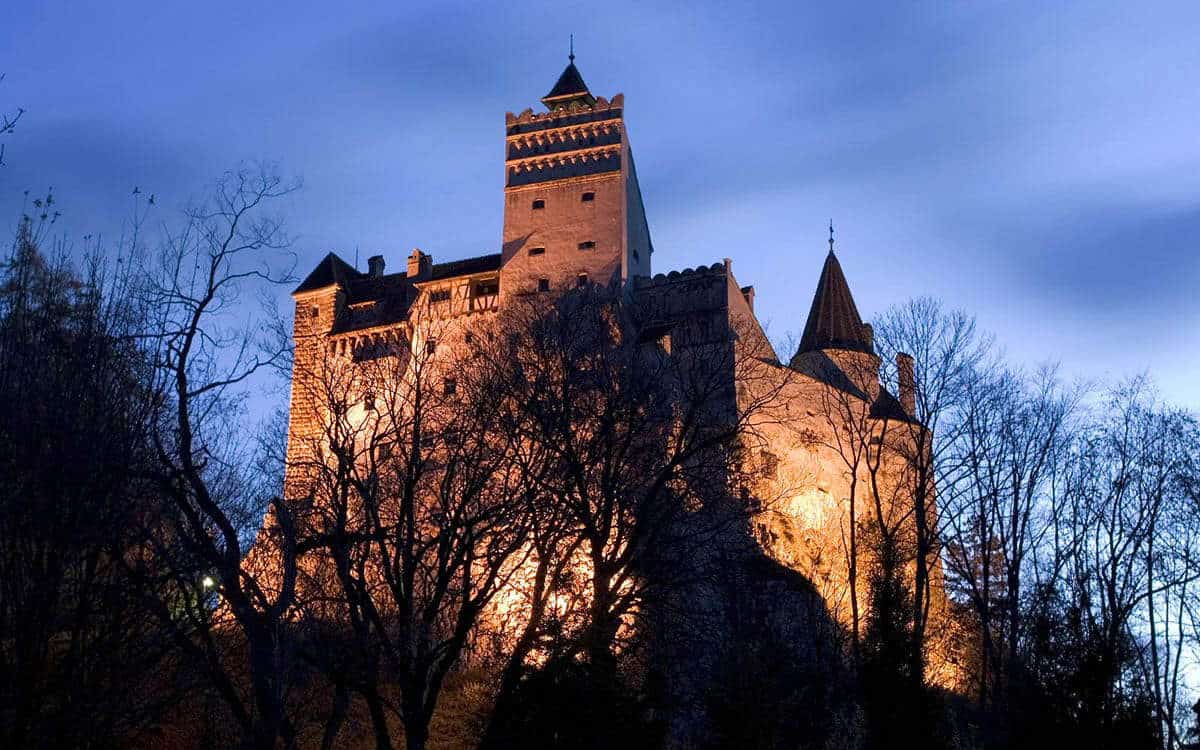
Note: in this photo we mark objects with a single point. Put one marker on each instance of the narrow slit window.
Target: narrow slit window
(369, 401)
(589, 245)
(588, 197)
(537, 251)
(539, 204)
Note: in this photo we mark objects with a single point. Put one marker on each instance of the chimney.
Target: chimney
(748, 293)
(420, 265)
(375, 265)
(906, 374)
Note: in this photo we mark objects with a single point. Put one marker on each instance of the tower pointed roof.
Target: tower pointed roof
(331, 270)
(569, 88)
(833, 321)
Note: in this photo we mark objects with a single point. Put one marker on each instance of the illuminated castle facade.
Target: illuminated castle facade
(573, 216)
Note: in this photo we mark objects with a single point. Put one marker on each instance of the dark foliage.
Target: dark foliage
(568, 703)
(81, 662)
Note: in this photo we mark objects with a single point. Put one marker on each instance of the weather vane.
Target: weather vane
(571, 56)
(831, 235)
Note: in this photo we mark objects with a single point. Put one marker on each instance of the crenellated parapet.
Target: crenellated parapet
(576, 113)
(692, 302)
(574, 140)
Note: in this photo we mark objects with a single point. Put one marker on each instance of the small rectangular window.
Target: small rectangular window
(369, 401)
(431, 346)
(314, 312)
(449, 386)
(636, 258)
(469, 338)
(581, 280)
(587, 197)
(441, 295)
(589, 245)
(537, 250)
(539, 204)
(487, 288)
(543, 285)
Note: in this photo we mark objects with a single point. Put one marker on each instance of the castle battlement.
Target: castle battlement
(574, 113)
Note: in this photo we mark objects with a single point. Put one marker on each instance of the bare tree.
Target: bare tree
(1124, 497)
(998, 513)
(945, 351)
(204, 354)
(8, 123)
(417, 505)
(642, 430)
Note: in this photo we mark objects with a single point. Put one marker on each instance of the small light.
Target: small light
(208, 582)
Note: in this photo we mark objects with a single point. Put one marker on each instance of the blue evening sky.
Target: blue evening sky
(1037, 164)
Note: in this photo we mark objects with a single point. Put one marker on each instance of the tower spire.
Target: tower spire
(831, 235)
(570, 88)
(833, 320)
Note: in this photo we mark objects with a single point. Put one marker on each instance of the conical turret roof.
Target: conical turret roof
(833, 321)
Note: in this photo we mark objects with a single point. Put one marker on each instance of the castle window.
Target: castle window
(487, 288)
(589, 245)
(314, 311)
(581, 280)
(369, 401)
(441, 295)
(543, 285)
(469, 338)
(449, 386)
(587, 197)
(431, 346)
(539, 204)
(537, 250)
(383, 451)
(636, 258)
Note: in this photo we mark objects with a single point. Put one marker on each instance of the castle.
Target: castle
(574, 217)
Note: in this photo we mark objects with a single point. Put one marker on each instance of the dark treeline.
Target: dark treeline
(496, 544)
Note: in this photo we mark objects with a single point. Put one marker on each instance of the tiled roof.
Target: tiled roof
(480, 264)
(833, 321)
(887, 406)
(331, 270)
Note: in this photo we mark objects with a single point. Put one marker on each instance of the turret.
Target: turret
(836, 342)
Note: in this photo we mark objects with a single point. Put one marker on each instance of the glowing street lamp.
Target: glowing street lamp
(207, 582)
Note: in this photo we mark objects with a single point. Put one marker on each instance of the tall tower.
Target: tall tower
(573, 211)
